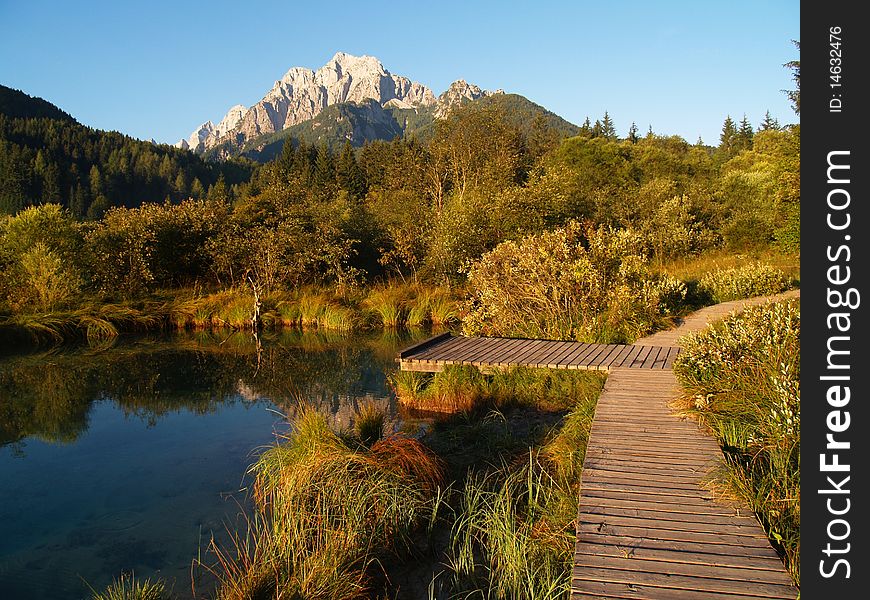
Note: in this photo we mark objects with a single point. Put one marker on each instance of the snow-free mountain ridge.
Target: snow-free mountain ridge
(301, 94)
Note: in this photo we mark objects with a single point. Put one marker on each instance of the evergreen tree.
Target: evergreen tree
(795, 95)
(727, 139)
(586, 128)
(743, 139)
(768, 123)
(324, 168)
(607, 128)
(632, 133)
(348, 174)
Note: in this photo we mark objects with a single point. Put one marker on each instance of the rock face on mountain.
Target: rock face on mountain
(301, 94)
(458, 93)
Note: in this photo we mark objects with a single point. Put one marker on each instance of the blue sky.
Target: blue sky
(158, 69)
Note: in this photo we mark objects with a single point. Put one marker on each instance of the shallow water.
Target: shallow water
(129, 457)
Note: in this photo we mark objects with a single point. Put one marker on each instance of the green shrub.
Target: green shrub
(753, 279)
(573, 283)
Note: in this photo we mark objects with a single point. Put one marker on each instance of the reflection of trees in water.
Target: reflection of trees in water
(49, 395)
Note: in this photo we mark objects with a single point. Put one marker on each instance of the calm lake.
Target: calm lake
(130, 457)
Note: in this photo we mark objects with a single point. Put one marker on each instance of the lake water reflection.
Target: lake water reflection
(129, 457)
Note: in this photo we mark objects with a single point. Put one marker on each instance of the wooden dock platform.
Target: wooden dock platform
(433, 354)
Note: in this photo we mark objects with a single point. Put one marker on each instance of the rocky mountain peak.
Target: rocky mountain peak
(301, 94)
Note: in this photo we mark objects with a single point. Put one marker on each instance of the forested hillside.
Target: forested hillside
(48, 157)
(403, 209)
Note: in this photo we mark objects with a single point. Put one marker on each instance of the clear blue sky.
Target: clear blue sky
(158, 69)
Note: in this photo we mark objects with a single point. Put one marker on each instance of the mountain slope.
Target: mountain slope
(16, 104)
(369, 121)
(47, 156)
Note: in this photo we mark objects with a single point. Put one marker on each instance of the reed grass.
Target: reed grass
(369, 424)
(513, 537)
(329, 507)
(127, 587)
(389, 305)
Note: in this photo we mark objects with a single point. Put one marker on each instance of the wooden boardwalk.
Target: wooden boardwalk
(647, 528)
(434, 354)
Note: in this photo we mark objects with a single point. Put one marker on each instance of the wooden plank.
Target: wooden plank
(578, 350)
(495, 354)
(758, 556)
(534, 347)
(623, 353)
(601, 360)
(555, 349)
(641, 356)
(427, 343)
(623, 487)
(519, 351)
(658, 527)
(555, 361)
(686, 582)
(466, 353)
(531, 359)
(434, 354)
(665, 517)
(473, 354)
(687, 569)
(426, 353)
(631, 356)
(590, 358)
(664, 504)
(607, 527)
(673, 353)
(773, 572)
(580, 359)
(582, 589)
(659, 362)
(653, 356)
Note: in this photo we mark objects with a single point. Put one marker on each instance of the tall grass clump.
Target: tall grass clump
(328, 507)
(388, 305)
(514, 534)
(747, 281)
(126, 587)
(464, 388)
(742, 378)
(574, 283)
(456, 388)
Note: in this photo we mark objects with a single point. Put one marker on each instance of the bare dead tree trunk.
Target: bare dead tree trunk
(256, 321)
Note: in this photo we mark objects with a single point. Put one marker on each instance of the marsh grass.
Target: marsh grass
(513, 535)
(388, 305)
(328, 509)
(741, 377)
(369, 424)
(127, 587)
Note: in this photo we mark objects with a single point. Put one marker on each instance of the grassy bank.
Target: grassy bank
(309, 308)
(742, 378)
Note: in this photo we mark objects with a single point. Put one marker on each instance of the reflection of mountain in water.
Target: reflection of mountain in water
(49, 395)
